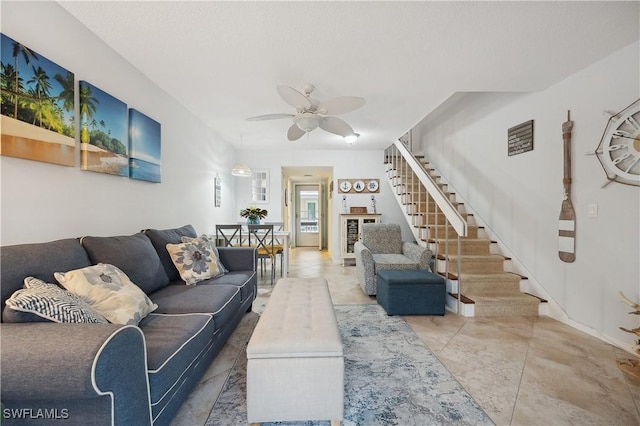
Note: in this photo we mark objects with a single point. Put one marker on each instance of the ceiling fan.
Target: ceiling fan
(311, 113)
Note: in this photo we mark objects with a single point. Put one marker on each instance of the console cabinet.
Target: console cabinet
(350, 230)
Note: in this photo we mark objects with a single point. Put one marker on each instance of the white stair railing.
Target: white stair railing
(424, 203)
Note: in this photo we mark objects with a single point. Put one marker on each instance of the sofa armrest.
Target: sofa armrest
(365, 268)
(239, 258)
(54, 365)
(419, 254)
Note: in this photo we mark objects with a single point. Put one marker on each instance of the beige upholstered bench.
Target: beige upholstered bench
(295, 364)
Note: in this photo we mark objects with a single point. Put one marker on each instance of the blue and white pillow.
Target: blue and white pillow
(212, 245)
(195, 261)
(50, 302)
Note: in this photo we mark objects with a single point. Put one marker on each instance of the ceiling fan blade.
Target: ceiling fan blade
(295, 132)
(340, 105)
(294, 98)
(336, 126)
(270, 117)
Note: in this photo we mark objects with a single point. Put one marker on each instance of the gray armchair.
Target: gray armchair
(381, 247)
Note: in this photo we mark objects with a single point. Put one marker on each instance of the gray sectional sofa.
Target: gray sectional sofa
(111, 374)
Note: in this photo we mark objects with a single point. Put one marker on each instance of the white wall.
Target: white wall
(43, 201)
(346, 165)
(519, 197)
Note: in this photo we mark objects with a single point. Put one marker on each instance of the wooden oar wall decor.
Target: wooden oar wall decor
(567, 221)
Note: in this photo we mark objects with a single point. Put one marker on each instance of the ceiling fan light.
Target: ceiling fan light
(351, 138)
(307, 123)
(241, 170)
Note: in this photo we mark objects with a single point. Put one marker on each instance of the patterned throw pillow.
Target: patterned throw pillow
(195, 261)
(213, 248)
(109, 291)
(53, 303)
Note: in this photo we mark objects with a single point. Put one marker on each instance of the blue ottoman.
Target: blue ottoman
(411, 292)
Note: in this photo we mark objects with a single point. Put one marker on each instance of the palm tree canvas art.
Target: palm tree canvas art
(37, 105)
(103, 132)
(144, 147)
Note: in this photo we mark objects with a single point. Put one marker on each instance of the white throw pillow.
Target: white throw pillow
(109, 291)
(195, 261)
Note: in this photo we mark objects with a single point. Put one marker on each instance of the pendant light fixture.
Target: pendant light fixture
(241, 170)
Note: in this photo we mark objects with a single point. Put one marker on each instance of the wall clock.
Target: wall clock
(619, 148)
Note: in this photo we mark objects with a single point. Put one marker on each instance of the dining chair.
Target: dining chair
(261, 237)
(278, 246)
(229, 235)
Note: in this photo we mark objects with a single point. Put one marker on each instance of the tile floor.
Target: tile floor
(521, 370)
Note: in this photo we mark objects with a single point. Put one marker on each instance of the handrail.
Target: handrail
(452, 214)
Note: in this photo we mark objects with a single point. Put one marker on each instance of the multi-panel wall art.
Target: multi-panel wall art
(38, 121)
(144, 147)
(37, 106)
(103, 132)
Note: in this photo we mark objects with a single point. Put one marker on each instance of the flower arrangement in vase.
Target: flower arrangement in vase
(253, 214)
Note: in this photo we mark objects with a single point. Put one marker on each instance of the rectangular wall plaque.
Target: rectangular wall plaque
(520, 138)
(358, 186)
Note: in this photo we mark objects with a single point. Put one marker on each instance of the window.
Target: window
(260, 186)
(308, 211)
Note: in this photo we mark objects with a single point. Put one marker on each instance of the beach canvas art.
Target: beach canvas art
(103, 132)
(37, 120)
(144, 147)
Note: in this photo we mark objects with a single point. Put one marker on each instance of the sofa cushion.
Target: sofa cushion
(39, 260)
(109, 291)
(393, 261)
(239, 279)
(195, 260)
(132, 254)
(40, 301)
(223, 301)
(161, 237)
(174, 343)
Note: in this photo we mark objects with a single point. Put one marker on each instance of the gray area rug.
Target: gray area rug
(391, 378)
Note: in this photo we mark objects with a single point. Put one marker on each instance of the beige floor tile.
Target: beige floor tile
(521, 370)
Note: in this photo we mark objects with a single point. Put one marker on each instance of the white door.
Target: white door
(307, 214)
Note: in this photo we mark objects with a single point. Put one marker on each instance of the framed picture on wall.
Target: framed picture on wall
(37, 118)
(217, 191)
(104, 128)
(260, 186)
(144, 147)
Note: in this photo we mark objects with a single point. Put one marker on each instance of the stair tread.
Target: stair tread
(504, 276)
(464, 240)
(513, 298)
(489, 257)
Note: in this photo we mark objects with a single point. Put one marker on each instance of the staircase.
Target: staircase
(478, 282)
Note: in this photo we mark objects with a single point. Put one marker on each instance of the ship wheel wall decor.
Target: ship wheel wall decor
(619, 149)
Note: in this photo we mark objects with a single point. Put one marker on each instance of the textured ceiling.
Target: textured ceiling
(223, 60)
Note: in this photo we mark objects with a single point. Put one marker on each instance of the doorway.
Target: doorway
(317, 179)
(307, 215)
